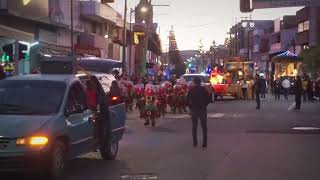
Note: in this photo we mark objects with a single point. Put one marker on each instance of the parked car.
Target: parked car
(45, 121)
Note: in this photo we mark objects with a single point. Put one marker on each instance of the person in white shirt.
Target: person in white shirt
(244, 88)
(286, 86)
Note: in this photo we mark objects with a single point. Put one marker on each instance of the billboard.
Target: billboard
(262, 4)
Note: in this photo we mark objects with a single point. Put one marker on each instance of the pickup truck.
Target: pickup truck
(45, 121)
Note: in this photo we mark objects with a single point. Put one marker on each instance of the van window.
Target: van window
(28, 97)
(76, 96)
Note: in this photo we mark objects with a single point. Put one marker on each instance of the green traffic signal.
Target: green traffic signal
(5, 58)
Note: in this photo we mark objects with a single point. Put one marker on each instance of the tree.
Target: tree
(174, 55)
(311, 60)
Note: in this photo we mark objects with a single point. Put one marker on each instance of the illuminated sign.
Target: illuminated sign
(26, 2)
(262, 4)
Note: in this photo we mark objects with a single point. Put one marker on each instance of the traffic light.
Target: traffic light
(245, 6)
(8, 53)
(23, 52)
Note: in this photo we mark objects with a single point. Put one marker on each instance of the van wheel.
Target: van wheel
(57, 160)
(110, 152)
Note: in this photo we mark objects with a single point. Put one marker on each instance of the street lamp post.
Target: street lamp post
(248, 25)
(130, 44)
(124, 53)
(72, 31)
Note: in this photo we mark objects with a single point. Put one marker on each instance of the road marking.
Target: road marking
(292, 107)
(140, 177)
(216, 115)
(306, 128)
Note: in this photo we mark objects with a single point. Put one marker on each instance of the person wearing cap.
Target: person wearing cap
(198, 99)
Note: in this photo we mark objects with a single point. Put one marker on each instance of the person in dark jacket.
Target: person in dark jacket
(298, 91)
(198, 99)
(257, 89)
(277, 89)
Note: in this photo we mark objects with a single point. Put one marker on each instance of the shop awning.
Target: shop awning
(54, 50)
(286, 56)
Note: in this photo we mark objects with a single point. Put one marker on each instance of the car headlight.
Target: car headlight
(33, 141)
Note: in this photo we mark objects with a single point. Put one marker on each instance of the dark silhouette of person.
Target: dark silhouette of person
(198, 99)
(257, 89)
(298, 91)
(277, 89)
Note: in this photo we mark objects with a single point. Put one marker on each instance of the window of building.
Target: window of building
(304, 26)
(94, 27)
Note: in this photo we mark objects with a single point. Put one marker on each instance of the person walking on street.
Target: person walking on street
(286, 87)
(264, 87)
(297, 91)
(244, 88)
(277, 89)
(304, 88)
(198, 99)
(309, 90)
(257, 90)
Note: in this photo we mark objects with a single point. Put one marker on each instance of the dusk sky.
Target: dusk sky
(208, 20)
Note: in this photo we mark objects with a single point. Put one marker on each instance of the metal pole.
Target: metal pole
(72, 33)
(130, 44)
(16, 58)
(124, 37)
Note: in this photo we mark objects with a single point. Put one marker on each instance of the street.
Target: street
(244, 143)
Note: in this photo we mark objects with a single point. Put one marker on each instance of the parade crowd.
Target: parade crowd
(151, 95)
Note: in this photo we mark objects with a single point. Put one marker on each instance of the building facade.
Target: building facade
(308, 24)
(46, 24)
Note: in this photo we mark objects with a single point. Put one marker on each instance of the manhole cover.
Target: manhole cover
(306, 128)
(139, 177)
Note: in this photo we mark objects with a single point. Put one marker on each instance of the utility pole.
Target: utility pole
(130, 44)
(124, 53)
(72, 33)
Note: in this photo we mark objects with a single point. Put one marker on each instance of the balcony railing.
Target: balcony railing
(97, 11)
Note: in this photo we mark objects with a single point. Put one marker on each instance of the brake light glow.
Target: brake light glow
(114, 98)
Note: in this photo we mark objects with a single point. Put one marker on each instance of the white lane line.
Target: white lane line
(292, 107)
(216, 115)
(306, 128)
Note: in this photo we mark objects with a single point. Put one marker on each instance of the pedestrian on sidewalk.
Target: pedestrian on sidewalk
(264, 87)
(257, 90)
(286, 88)
(198, 99)
(277, 89)
(244, 88)
(298, 91)
(304, 88)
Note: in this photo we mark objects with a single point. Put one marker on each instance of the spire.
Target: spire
(172, 40)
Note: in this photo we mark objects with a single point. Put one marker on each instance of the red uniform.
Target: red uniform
(92, 99)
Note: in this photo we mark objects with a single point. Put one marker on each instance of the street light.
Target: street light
(144, 9)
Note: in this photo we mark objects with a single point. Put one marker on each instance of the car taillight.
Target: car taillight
(114, 98)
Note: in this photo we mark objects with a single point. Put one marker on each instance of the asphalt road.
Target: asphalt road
(243, 144)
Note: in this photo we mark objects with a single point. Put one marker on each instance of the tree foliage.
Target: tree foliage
(179, 66)
(311, 59)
